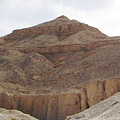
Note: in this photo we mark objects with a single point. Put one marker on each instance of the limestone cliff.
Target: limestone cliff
(58, 106)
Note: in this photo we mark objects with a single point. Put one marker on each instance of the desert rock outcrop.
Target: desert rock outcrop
(58, 68)
(106, 110)
(14, 115)
(58, 106)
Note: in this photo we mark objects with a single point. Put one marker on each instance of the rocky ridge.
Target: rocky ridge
(60, 63)
(61, 27)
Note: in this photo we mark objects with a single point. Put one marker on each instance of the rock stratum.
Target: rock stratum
(58, 68)
(59, 105)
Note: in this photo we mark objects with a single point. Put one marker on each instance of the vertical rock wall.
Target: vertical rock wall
(58, 106)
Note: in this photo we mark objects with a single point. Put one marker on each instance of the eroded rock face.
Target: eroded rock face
(45, 107)
(2, 41)
(53, 65)
(60, 27)
(55, 37)
(58, 106)
(106, 110)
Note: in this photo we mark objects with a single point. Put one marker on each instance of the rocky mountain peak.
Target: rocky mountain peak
(61, 27)
(62, 17)
(59, 60)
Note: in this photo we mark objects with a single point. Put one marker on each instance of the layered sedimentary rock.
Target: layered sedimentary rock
(59, 68)
(62, 27)
(58, 106)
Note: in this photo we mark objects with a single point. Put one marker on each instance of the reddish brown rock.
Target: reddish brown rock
(2, 41)
(61, 27)
(58, 106)
(59, 68)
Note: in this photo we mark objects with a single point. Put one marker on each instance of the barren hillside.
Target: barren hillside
(61, 56)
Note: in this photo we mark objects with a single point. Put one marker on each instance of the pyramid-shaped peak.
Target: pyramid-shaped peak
(62, 17)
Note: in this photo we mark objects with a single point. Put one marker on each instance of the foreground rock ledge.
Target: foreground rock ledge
(14, 115)
(108, 109)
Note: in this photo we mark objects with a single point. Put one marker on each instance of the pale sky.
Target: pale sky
(102, 14)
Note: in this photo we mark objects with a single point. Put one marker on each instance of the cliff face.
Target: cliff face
(58, 106)
(59, 68)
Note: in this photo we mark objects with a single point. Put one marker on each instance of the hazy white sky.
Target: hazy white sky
(103, 14)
